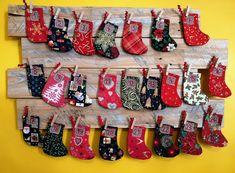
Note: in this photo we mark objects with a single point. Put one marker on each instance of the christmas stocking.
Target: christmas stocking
(36, 79)
(58, 39)
(130, 92)
(136, 145)
(150, 94)
(193, 36)
(163, 142)
(160, 37)
(105, 39)
(108, 147)
(31, 133)
(187, 140)
(192, 93)
(217, 85)
(211, 130)
(169, 92)
(107, 96)
(77, 90)
(82, 38)
(53, 91)
(79, 143)
(36, 30)
(132, 40)
(53, 144)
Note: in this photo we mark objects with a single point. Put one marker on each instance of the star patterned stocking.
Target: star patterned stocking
(211, 130)
(136, 146)
(53, 91)
(163, 142)
(82, 38)
(217, 84)
(79, 143)
(105, 39)
(193, 36)
(107, 96)
(187, 140)
(132, 40)
(108, 147)
(160, 37)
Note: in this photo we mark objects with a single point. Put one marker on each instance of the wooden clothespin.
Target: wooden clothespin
(29, 63)
(80, 17)
(187, 11)
(30, 7)
(57, 13)
(159, 15)
(108, 17)
(54, 118)
(106, 71)
(131, 16)
(75, 70)
(186, 118)
(77, 121)
(106, 123)
(58, 68)
(126, 70)
(133, 123)
(167, 68)
(189, 68)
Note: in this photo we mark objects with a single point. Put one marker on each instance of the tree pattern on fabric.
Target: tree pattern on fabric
(150, 94)
(160, 37)
(105, 40)
(130, 93)
(192, 93)
(53, 144)
(35, 79)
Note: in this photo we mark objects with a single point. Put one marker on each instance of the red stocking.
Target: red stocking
(169, 92)
(53, 91)
(82, 39)
(35, 28)
(136, 145)
(217, 85)
(211, 131)
(192, 34)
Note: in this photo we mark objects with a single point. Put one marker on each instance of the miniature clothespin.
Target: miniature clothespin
(106, 123)
(133, 123)
(108, 17)
(54, 118)
(189, 68)
(167, 68)
(77, 121)
(131, 16)
(30, 7)
(80, 17)
(106, 71)
(57, 13)
(149, 71)
(58, 67)
(187, 11)
(159, 15)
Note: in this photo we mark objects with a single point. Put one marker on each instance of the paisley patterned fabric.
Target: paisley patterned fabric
(53, 144)
(130, 93)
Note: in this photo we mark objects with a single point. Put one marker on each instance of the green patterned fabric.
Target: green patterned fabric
(130, 93)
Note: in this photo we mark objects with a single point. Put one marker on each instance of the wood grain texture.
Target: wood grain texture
(117, 118)
(199, 56)
(16, 18)
(18, 88)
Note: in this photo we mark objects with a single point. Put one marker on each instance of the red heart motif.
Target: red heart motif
(77, 141)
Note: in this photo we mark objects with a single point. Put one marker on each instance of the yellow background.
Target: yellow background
(217, 19)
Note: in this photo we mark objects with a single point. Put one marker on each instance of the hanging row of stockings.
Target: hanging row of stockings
(155, 93)
(164, 144)
(104, 43)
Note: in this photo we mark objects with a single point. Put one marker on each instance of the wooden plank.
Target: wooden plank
(18, 88)
(117, 118)
(16, 18)
(198, 56)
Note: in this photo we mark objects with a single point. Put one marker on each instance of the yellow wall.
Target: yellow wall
(217, 19)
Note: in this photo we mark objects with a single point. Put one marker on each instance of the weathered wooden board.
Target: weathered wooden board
(16, 18)
(18, 88)
(117, 118)
(198, 56)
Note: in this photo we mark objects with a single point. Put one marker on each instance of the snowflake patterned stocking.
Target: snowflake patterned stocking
(130, 92)
(77, 90)
(108, 147)
(217, 84)
(163, 142)
(105, 42)
(160, 37)
(31, 133)
(132, 40)
(150, 94)
(36, 79)
(79, 143)
(107, 96)
(36, 30)
(53, 144)
(136, 145)
(82, 39)
(169, 92)
(193, 36)
(211, 130)
(53, 91)
(58, 39)
(192, 93)
(187, 140)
